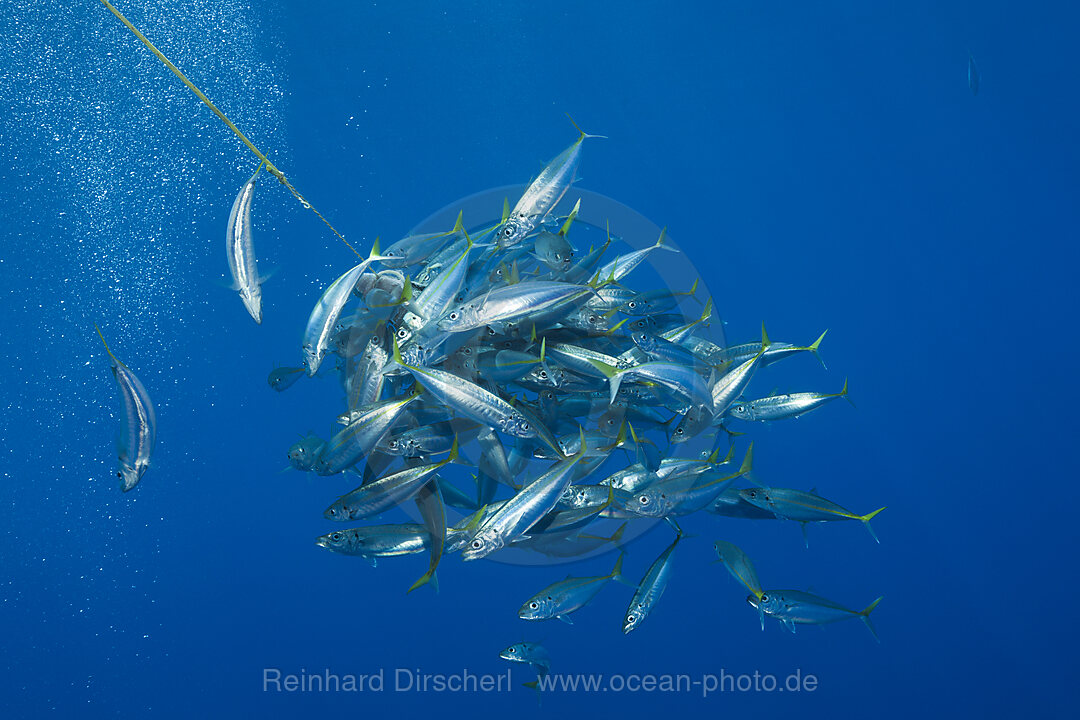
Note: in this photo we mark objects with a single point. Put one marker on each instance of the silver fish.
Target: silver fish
(240, 250)
(520, 512)
(138, 423)
(782, 407)
(795, 607)
(542, 195)
(650, 589)
(322, 323)
(560, 599)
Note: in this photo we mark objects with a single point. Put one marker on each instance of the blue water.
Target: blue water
(822, 164)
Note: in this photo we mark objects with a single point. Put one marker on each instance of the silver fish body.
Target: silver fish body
(650, 589)
(240, 251)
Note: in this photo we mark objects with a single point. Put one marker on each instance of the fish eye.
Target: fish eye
(631, 304)
(119, 474)
(507, 232)
(453, 316)
(332, 511)
(513, 650)
(401, 333)
(629, 618)
(543, 373)
(679, 431)
(764, 597)
(752, 493)
(336, 537)
(593, 319)
(534, 604)
(477, 544)
(644, 499)
(524, 426)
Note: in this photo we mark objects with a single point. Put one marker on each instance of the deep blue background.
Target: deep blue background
(823, 164)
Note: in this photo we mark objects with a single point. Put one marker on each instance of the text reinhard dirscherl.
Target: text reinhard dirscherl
(414, 680)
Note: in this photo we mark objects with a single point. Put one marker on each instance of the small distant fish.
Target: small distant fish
(240, 250)
(739, 565)
(532, 654)
(782, 407)
(803, 507)
(322, 324)
(376, 541)
(305, 452)
(415, 249)
(973, 75)
(795, 607)
(650, 589)
(790, 607)
(542, 195)
(376, 497)
(566, 596)
(138, 423)
(283, 378)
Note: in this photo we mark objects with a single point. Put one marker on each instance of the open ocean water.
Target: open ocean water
(821, 165)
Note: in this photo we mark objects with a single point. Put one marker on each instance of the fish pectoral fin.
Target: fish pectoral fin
(790, 624)
(566, 619)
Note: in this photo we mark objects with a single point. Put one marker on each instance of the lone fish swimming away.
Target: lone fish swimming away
(241, 251)
(138, 424)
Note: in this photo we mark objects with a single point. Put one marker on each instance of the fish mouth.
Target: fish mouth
(322, 542)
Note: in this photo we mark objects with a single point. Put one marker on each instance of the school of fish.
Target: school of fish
(515, 389)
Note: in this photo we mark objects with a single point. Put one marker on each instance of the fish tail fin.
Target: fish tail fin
(660, 242)
(616, 572)
(570, 219)
(865, 520)
(584, 447)
(609, 333)
(748, 461)
(706, 313)
(611, 373)
(506, 209)
(865, 616)
(458, 226)
(765, 341)
(375, 249)
(583, 133)
(395, 356)
(814, 348)
(844, 394)
(428, 577)
(535, 685)
(406, 292)
(453, 456)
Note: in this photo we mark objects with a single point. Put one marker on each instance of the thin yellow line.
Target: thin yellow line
(206, 101)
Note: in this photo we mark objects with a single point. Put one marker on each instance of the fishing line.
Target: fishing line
(206, 101)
